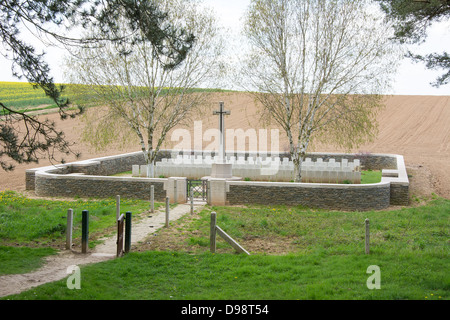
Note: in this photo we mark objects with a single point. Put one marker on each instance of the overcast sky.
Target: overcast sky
(412, 78)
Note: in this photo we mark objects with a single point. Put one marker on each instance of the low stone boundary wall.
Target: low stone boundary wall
(70, 185)
(398, 179)
(104, 166)
(392, 190)
(325, 196)
(90, 179)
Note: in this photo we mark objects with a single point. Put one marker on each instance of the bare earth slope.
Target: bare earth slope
(414, 126)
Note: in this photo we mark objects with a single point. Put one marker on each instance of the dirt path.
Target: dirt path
(56, 266)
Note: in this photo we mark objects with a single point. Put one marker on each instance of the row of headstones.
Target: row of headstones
(345, 165)
(328, 172)
(332, 164)
(331, 176)
(208, 160)
(140, 170)
(143, 171)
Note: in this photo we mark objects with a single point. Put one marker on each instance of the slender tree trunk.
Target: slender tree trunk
(151, 162)
(297, 167)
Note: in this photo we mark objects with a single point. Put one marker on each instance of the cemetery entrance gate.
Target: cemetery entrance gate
(199, 189)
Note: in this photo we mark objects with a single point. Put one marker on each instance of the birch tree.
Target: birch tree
(318, 67)
(144, 98)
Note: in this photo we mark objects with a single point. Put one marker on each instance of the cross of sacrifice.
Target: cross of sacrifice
(221, 113)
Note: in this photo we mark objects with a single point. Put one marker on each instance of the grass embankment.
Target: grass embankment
(323, 258)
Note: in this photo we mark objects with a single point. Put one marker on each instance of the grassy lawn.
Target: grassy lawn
(16, 260)
(33, 228)
(322, 258)
(370, 176)
(320, 275)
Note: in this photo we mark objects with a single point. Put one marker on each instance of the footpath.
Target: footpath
(56, 266)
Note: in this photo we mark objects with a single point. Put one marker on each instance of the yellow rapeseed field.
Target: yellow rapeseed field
(22, 95)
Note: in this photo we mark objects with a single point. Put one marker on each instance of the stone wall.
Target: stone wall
(51, 184)
(90, 179)
(333, 197)
(98, 167)
(392, 190)
(399, 194)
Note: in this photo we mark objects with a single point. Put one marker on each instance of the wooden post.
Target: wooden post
(127, 232)
(120, 223)
(117, 207)
(167, 212)
(367, 236)
(152, 199)
(84, 231)
(231, 241)
(69, 229)
(192, 200)
(212, 234)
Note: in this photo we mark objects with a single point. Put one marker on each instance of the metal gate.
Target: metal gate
(199, 189)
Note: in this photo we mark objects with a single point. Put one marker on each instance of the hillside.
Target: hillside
(414, 126)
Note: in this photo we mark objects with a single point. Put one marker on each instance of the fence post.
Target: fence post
(152, 199)
(192, 200)
(69, 229)
(119, 242)
(167, 212)
(212, 235)
(84, 231)
(127, 232)
(117, 207)
(367, 236)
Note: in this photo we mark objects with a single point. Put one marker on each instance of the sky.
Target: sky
(412, 78)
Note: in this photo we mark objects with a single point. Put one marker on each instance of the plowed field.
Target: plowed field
(417, 127)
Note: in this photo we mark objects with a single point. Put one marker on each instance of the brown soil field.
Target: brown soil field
(416, 127)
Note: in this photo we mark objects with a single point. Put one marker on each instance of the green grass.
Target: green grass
(326, 259)
(22, 259)
(120, 174)
(370, 176)
(423, 228)
(25, 221)
(317, 276)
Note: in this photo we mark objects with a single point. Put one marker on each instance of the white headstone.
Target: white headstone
(344, 163)
(135, 170)
(144, 171)
(357, 164)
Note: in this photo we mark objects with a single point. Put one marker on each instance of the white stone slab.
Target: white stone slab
(135, 170)
(143, 171)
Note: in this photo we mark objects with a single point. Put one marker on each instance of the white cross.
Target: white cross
(221, 113)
